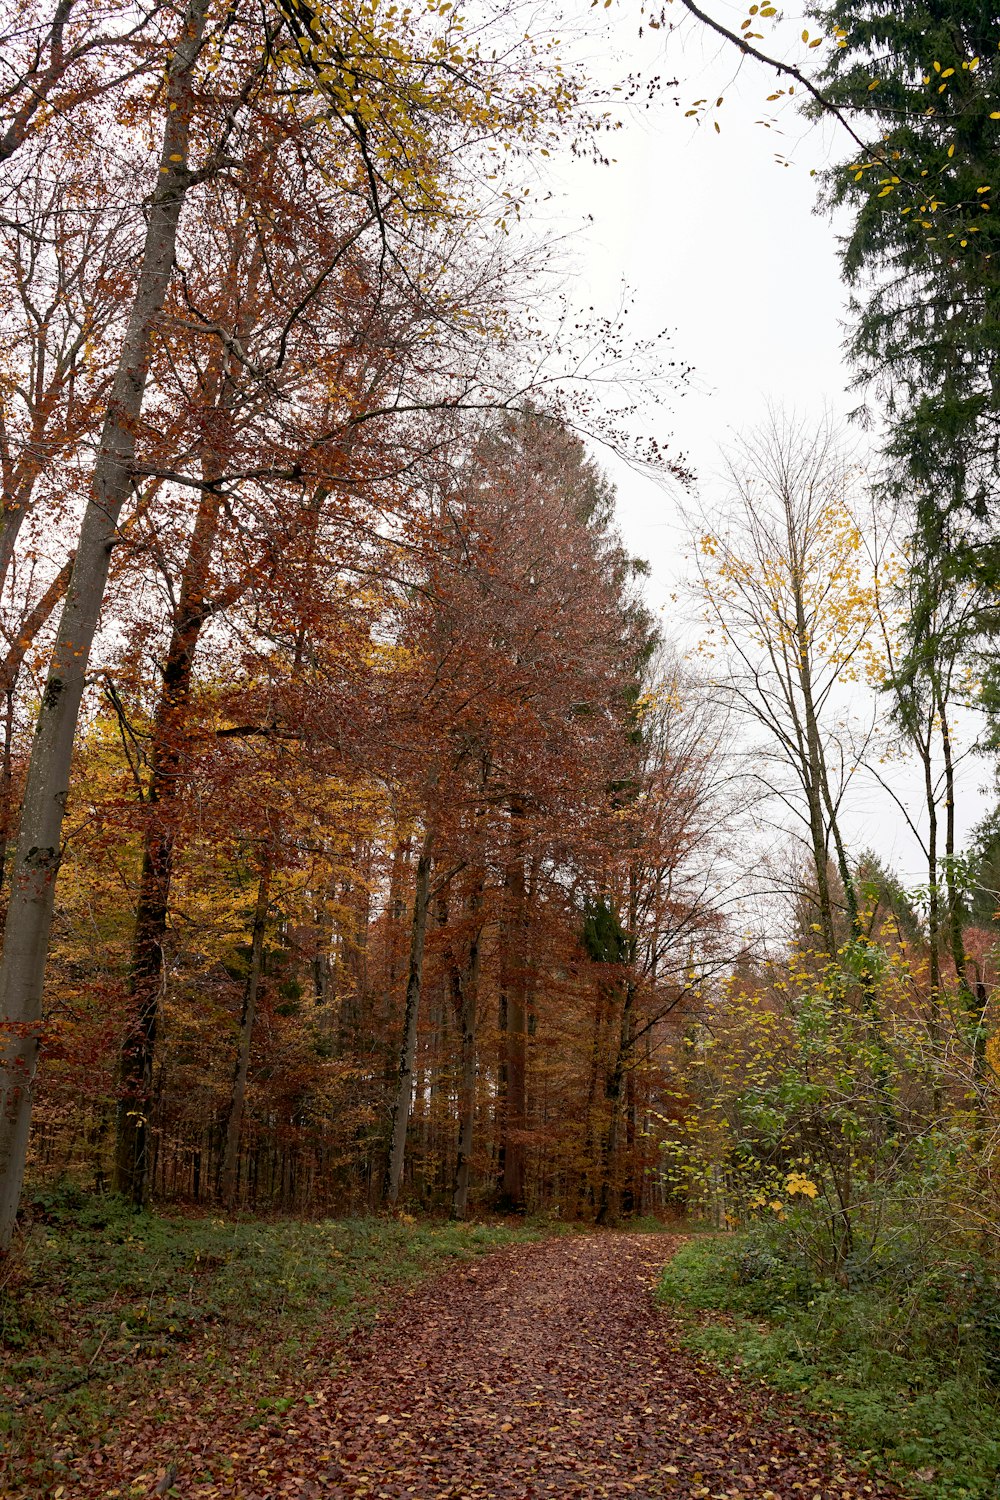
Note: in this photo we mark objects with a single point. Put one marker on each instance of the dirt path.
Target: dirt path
(542, 1370)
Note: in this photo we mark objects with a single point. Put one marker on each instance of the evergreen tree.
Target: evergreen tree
(920, 79)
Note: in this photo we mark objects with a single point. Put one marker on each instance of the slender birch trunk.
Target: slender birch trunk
(36, 862)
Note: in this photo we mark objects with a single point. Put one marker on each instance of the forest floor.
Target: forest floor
(542, 1369)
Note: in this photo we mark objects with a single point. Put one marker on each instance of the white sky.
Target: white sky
(721, 245)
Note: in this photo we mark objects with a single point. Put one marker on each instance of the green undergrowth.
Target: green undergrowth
(103, 1310)
(906, 1372)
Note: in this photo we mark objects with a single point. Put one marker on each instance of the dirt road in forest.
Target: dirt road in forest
(541, 1370)
(544, 1370)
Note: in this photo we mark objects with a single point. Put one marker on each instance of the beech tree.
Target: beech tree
(401, 101)
(517, 693)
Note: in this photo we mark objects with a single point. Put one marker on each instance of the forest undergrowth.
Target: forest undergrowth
(904, 1368)
(103, 1310)
(174, 1356)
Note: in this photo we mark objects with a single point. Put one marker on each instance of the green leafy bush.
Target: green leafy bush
(903, 1362)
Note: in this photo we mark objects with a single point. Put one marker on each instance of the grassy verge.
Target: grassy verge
(903, 1375)
(103, 1311)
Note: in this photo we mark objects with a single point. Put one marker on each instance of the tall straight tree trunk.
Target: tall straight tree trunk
(956, 934)
(36, 862)
(468, 1022)
(585, 1186)
(234, 1125)
(387, 1052)
(407, 1052)
(609, 1206)
(135, 1066)
(167, 756)
(817, 789)
(933, 894)
(621, 1067)
(632, 1183)
(512, 1190)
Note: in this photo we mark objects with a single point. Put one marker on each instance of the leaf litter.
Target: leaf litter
(543, 1370)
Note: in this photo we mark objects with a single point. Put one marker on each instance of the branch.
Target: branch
(786, 70)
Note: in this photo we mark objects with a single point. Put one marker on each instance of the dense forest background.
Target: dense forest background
(365, 840)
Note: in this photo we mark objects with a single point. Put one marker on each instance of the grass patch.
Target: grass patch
(102, 1310)
(904, 1372)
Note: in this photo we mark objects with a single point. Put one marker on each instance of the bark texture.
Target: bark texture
(36, 862)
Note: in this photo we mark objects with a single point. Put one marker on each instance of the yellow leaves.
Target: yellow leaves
(797, 1184)
(993, 1052)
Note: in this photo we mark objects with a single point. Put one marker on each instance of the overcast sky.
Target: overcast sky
(723, 246)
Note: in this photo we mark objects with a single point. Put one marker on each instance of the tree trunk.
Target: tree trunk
(407, 1053)
(585, 1186)
(27, 631)
(609, 1209)
(36, 862)
(933, 908)
(146, 971)
(512, 1190)
(468, 1020)
(234, 1125)
(167, 756)
(817, 787)
(956, 934)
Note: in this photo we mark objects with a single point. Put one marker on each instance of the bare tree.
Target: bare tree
(787, 595)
